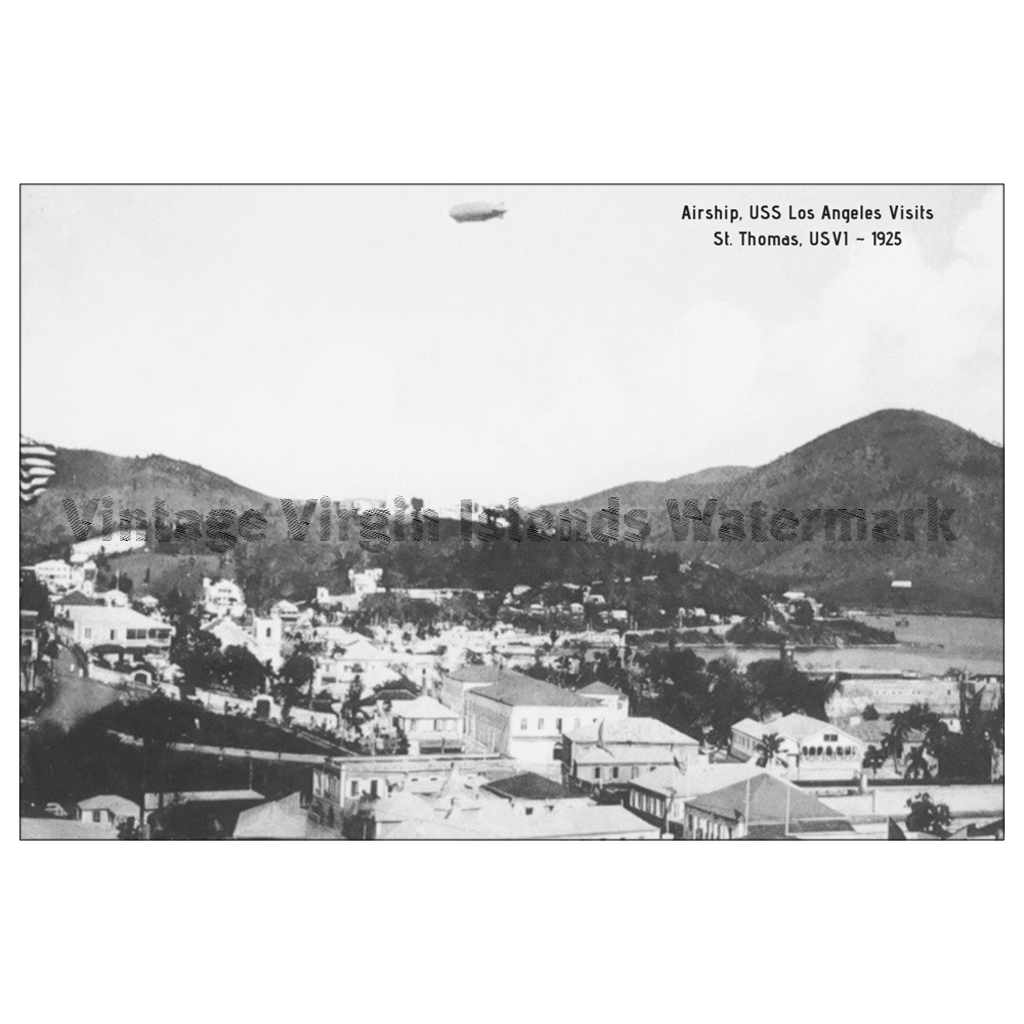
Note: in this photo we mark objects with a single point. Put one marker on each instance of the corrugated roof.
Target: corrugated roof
(766, 796)
(527, 692)
(629, 730)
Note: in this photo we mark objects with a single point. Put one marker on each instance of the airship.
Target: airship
(476, 211)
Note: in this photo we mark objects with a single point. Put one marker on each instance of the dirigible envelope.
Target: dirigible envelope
(464, 212)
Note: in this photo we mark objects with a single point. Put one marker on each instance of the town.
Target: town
(601, 709)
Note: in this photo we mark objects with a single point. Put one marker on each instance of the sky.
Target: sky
(357, 342)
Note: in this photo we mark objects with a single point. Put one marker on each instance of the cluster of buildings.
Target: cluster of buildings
(458, 740)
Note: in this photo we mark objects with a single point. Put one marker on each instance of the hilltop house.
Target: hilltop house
(90, 625)
(223, 598)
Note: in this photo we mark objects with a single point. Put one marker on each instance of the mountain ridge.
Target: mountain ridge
(891, 459)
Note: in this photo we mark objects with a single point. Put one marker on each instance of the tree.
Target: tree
(243, 673)
(197, 653)
(779, 686)
(297, 674)
(769, 750)
(870, 713)
(803, 613)
(892, 746)
(927, 816)
(34, 596)
(353, 715)
(917, 765)
(874, 759)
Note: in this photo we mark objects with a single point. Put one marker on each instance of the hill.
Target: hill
(893, 459)
(649, 493)
(140, 482)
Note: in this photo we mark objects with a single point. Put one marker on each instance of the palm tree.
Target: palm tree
(768, 750)
(874, 759)
(917, 766)
(892, 746)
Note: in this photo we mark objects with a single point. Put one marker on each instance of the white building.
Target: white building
(92, 625)
(809, 748)
(108, 811)
(59, 576)
(263, 639)
(365, 581)
(428, 725)
(606, 695)
(617, 750)
(223, 598)
(527, 719)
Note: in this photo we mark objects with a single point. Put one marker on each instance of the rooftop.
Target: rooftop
(530, 786)
(702, 778)
(424, 707)
(486, 674)
(121, 806)
(629, 730)
(202, 796)
(794, 727)
(600, 690)
(522, 691)
(769, 801)
(280, 819)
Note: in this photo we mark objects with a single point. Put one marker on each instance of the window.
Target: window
(88, 634)
(355, 788)
(558, 724)
(113, 634)
(615, 773)
(540, 725)
(830, 737)
(597, 773)
(524, 725)
(529, 810)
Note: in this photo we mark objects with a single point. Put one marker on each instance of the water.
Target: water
(930, 644)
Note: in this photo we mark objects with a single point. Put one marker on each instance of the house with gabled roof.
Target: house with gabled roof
(527, 718)
(606, 695)
(761, 807)
(809, 749)
(614, 751)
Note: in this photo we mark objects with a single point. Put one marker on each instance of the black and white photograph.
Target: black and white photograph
(511, 500)
(667, 512)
